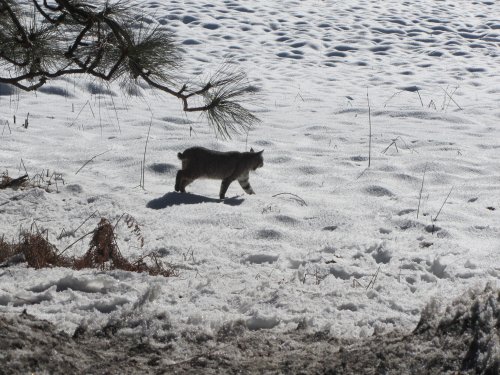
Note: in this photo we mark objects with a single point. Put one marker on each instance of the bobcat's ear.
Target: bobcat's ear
(260, 152)
(251, 150)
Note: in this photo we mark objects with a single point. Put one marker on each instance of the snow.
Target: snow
(306, 248)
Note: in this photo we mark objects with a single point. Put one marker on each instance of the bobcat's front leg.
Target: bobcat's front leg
(245, 184)
(224, 186)
(178, 181)
(183, 179)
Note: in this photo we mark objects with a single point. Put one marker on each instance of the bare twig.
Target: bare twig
(114, 108)
(91, 159)
(435, 218)
(421, 102)
(22, 162)
(362, 173)
(143, 165)
(390, 144)
(92, 215)
(301, 201)
(74, 242)
(406, 144)
(451, 98)
(6, 124)
(80, 111)
(392, 96)
(373, 279)
(356, 283)
(421, 189)
(370, 135)
(451, 95)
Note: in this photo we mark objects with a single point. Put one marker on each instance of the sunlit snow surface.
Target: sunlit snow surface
(306, 247)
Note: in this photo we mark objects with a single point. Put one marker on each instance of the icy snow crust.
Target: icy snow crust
(272, 260)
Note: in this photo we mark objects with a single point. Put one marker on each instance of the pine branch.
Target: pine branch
(81, 38)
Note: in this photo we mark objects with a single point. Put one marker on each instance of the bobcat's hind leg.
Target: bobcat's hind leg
(224, 186)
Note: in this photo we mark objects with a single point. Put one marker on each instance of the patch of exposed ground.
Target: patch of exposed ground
(462, 339)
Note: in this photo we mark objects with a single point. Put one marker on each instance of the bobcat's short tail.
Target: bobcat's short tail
(179, 155)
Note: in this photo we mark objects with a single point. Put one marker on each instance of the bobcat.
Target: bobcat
(199, 162)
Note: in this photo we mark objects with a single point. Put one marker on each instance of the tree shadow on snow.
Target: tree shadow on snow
(175, 199)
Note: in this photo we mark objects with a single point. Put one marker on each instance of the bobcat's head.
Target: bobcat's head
(257, 158)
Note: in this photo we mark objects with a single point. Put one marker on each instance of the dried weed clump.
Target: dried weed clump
(40, 253)
(43, 180)
(102, 250)
(14, 183)
(103, 253)
(34, 249)
(7, 250)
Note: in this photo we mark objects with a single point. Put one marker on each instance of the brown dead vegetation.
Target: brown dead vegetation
(45, 180)
(6, 250)
(35, 249)
(39, 252)
(32, 248)
(14, 183)
(104, 253)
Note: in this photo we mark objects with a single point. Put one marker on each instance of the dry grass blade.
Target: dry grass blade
(143, 163)
(421, 189)
(444, 202)
(294, 196)
(451, 97)
(370, 130)
(373, 279)
(91, 159)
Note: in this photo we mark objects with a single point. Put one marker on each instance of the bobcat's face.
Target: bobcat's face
(260, 164)
(258, 159)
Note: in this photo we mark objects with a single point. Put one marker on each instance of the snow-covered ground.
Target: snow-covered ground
(306, 248)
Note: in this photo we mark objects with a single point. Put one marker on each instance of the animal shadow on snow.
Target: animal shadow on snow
(175, 199)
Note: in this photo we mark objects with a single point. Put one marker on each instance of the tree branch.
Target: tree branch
(97, 40)
(17, 24)
(56, 21)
